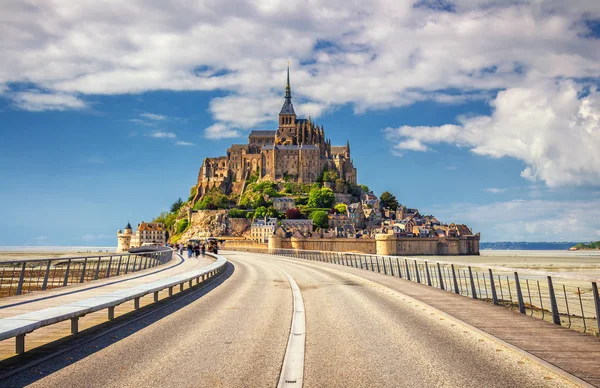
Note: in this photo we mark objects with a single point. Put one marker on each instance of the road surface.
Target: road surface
(359, 333)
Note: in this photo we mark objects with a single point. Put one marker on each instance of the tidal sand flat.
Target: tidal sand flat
(22, 253)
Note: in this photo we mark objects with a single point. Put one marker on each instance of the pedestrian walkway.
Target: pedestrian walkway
(35, 301)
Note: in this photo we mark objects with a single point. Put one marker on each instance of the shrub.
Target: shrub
(175, 206)
(320, 219)
(341, 208)
(182, 225)
(214, 199)
(193, 192)
(237, 213)
(293, 214)
(323, 197)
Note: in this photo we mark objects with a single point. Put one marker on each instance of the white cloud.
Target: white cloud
(495, 190)
(163, 135)
(94, 237)
(529, 220)
(153, 116)
(37, 101)
(372, 55)
(548, 126)
(220, 131)
(183, 143)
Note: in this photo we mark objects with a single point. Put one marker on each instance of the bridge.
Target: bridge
(253, 317)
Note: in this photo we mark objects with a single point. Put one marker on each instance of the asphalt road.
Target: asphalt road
(358, 334)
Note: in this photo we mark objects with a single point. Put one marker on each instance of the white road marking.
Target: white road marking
(292, 371)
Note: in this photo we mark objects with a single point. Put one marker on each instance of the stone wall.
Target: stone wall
(383, 244)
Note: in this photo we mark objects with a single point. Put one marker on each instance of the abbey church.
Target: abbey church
(297, 151)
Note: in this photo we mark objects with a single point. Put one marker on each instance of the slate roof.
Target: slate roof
(263, 133)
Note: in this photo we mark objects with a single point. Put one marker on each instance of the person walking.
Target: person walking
(203, 249)
(189, 249)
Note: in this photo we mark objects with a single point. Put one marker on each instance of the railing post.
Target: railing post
(82, 278)
(20, 344)
(97, 269)
(555, 315)
(377, 261)
(127, 264)
(372, 266)
(473, 291)
(45, 283)
(519, 294)
(407, 270)
(417, 272)
(440, 276)
(427, 274)
(399, 270)
(493, 287)
(21, 279)
(456, 291)
(119, 265)
(391, 266)
(596, 303)
(384, 266)
(108, 267)
(66, 281)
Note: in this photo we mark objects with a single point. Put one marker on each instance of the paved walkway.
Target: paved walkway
(569, 350)
(36, 301)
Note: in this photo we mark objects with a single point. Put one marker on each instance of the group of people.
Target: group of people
(194, 250)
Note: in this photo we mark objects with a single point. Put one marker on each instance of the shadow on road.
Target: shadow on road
(52, 357)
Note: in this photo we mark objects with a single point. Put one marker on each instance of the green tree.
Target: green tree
(237, 213)
(175, 206)
(260, 212)
(320, 219)
(341, 208)
(323, 198)
(341, 186)
(214, 199)
(364, 188)
(388, 199)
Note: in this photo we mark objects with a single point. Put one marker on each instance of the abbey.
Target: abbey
(297, 151)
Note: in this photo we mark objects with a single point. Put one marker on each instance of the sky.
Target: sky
(484, 112)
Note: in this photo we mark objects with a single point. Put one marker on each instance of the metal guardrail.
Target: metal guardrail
(18, 326)
(567, 300)
(21, 276)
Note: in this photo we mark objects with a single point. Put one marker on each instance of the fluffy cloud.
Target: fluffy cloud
(153, 116)
(220, 131)
(529, 220)
(549, 126)
(163, 135)
(37, 101)
(183, 143)
(495, 190)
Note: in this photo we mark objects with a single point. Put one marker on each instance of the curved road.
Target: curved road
(358, 334)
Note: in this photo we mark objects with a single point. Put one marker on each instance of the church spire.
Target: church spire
(288, 108)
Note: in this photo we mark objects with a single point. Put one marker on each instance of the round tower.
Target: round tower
(124, 239)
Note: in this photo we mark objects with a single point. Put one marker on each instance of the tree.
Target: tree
(214, 199)
(293, 214)
(341, 208)
(236, 213)
(182, 226)
(176, 205)
(364, 188)
(320, 219)
(260, 212)
(321, 198)
(341, 186)
(388, 199)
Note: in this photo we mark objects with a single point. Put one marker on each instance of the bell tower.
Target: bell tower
(286, 133)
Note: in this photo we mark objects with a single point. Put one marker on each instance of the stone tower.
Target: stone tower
(286, 133)
(124, 238)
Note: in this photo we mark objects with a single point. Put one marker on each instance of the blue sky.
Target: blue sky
(477, 112)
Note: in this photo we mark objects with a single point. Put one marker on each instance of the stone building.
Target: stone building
(283, 203)
(297, 151)
(146, 233)
(261, 229)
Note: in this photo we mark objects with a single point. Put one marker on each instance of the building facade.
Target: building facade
(297, 151)
(146, 233)
(261, 229)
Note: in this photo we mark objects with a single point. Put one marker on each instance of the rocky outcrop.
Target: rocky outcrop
(215, 223)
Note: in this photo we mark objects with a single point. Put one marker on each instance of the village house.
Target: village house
(283, 204)
(261, 229)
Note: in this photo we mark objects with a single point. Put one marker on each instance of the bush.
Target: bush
(323, 198)
(388, 199)
(175, 206)
(214, 199)
(320, 219)
(182, 225)
(341, 208)
(193, 192)
(293, 214)
(237, 213)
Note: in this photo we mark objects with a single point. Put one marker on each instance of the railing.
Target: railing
(564, 299)
(22, 276)
(18, 326)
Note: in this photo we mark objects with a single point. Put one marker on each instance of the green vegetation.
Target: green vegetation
(214, 199)
(237, 213)
(341, 208)
(364, 188)
(253, 178)
(175, 206)
(193, 192)
(168, 219)
(592, 245)
(262, 212)
(182, 225)
(388, 199)
(323, 198)
(320, 219)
